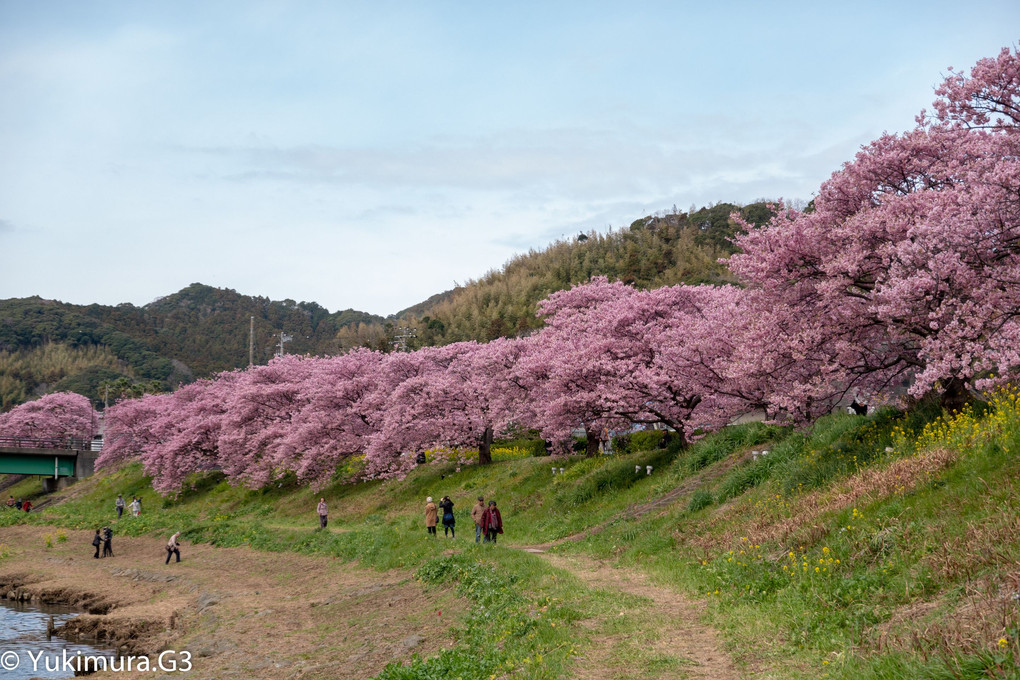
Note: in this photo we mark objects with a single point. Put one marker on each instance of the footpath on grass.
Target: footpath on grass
(668, 628)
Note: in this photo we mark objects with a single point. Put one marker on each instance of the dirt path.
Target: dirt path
(241, 613)
(657, 633)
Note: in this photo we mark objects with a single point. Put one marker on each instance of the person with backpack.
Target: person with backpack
(96, 542)
(107, 542)
(448, 519)
(492, 522)
(431, 516)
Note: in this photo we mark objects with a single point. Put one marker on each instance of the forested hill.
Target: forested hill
(663, 249)
(47, 346)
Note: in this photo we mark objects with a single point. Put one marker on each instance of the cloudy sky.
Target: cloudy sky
(370, 154)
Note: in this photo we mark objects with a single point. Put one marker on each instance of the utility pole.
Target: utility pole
(283, 338)
(251, 343)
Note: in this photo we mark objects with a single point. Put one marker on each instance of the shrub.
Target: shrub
(700, 499)
(642, 440)
(532, 446)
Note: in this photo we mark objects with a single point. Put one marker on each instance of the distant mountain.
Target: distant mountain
(196, 332)
(47, 345)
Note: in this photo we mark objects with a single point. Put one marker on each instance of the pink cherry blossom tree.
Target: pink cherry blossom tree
(341, 408)
(183, 431)
(909, 267)
(673, 351)
(460, 398)
(570, 369)
(60, 415)
(129, 428)
(259, 410)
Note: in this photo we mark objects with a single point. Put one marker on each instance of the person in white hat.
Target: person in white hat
(431, 516)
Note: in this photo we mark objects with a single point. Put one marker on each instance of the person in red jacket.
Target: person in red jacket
(492, 522)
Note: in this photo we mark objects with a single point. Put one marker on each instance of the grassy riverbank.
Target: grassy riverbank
(884, 546)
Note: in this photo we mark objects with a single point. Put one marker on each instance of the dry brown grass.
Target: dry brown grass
(795, 522)
(987, 612)
(242, 613)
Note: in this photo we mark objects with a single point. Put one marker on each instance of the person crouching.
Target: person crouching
(173, 547)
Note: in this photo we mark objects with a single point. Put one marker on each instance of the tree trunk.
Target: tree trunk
(682, 438)
(485, 449)
(955, 395)
(591, 442)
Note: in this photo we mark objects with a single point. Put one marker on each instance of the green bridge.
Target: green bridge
(52, 459)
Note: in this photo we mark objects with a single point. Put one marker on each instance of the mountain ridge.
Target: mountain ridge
(49, 345)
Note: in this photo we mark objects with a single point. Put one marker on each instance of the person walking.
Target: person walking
(96, 542)
(476, 515)
(492, 522)
(107, 542)
(448, 519)
(431, 516)
(136, 507)
(323, 511)
(173, 547)
(120, 504)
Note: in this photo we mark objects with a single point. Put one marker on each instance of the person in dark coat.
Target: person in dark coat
(492, 522)
(107, 542)
(96, 542)
(446, 505)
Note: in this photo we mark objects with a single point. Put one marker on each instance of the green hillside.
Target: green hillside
(660, 250)
(883, 546)
(47, 346)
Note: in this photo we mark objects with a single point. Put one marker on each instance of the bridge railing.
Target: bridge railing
(72, 443)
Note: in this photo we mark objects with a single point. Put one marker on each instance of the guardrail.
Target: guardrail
(66, 443)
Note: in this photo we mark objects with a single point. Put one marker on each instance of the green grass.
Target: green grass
(944, 540)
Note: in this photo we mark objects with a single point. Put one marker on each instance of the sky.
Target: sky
(367, 155)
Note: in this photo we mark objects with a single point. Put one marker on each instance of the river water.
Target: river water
(23, 639)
